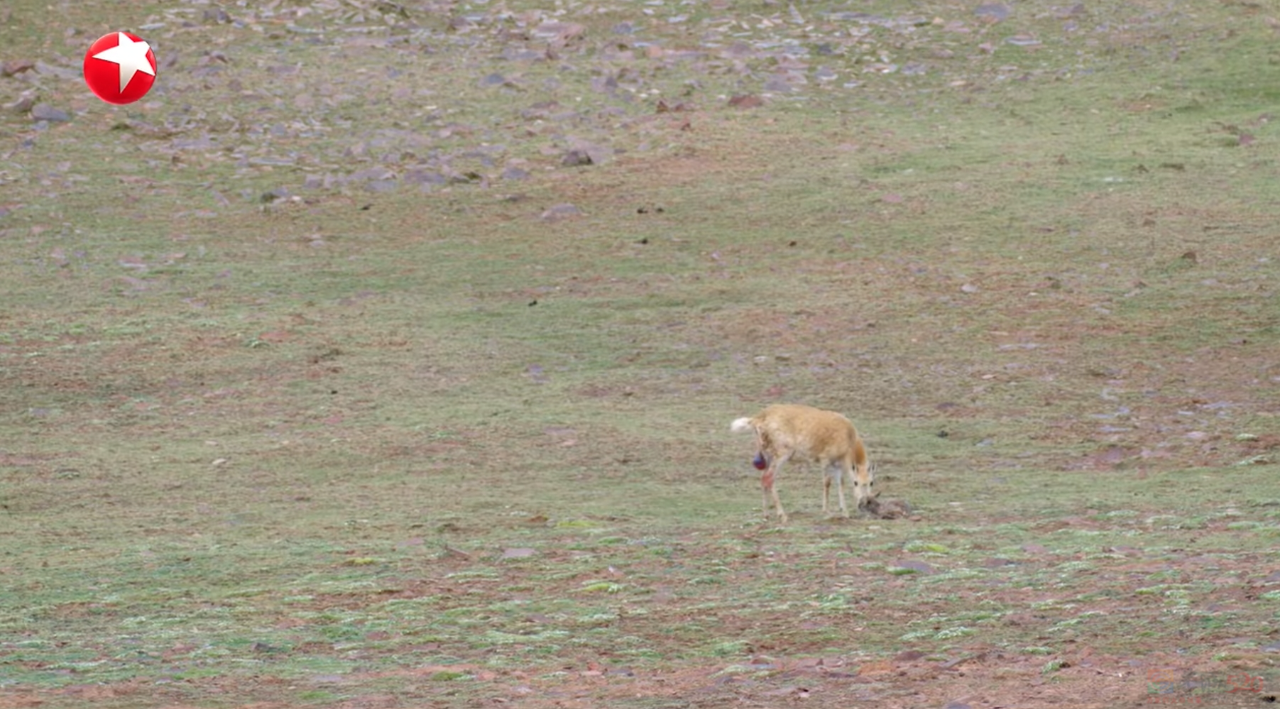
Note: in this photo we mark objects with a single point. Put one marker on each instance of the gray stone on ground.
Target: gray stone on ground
(45, 112)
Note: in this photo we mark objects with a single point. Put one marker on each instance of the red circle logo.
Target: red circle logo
(120, 67)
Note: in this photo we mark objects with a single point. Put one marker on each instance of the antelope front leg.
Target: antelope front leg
(770, 493)
(826, 491)
(827, 479)
(766, 486)
(840, 473)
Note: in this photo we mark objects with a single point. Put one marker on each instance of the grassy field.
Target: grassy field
(384, 355)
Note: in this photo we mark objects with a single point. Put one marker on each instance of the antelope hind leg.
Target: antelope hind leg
(770, 490)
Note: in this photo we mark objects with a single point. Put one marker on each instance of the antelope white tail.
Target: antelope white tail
(742, 425)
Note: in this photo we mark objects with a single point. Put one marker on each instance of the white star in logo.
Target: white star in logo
(130, 55)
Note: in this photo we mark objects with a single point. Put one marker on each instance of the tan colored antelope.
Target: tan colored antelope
(803, 433)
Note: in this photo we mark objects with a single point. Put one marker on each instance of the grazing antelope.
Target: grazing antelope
(787, 431)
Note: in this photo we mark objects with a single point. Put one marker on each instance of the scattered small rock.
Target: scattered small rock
(889, 509)
(992, 12)
(45, 112)
(496, 79)
(462, 24)
(456, 177)
(918, 567)
(419, 176)
(61, 72)
(746, 101)
(372, 173)
(202, 142)
(664, 107)
(1065, 13)
(277, 194)
(22, 104)
(560, 211)
(583, 153)
(136, 263)
(576, 158)
(16, 66)
(560, 33)
(1022, 40)
(780, 83)
(135, 284)
(787, 691)
(518, 553)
